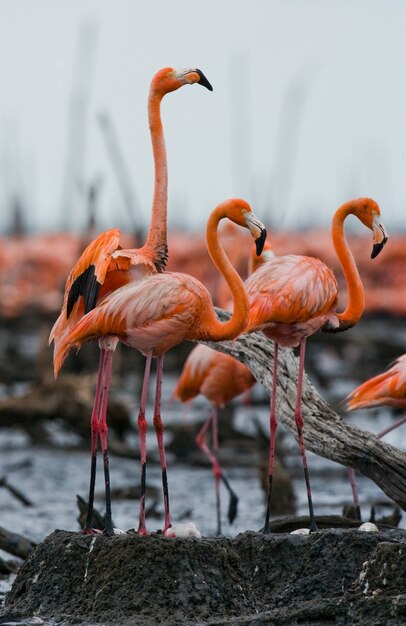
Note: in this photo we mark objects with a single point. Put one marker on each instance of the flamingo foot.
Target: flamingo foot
(91, 531)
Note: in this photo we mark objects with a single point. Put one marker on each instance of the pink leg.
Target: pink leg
(94, 426)
(299, 426)
(217, 471)
(217, 475)
(387, 430)
(201, 442)
(351, 472)
(159, 429)
(354, 489)
(273, 426)
(103, 431)
(142, 430)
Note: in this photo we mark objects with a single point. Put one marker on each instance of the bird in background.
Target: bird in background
(155, 314)
(386, 389)
(104, 267)
(291, 297)
(220, 378)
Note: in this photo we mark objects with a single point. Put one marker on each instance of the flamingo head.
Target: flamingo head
(240, 212)
(169, 79)
(368, 212)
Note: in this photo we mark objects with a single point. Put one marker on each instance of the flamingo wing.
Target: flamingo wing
(89, 272)
(388, 388)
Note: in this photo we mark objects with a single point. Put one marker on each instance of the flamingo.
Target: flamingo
(219, 378)
(104, 267)
(291, 297)
(388, 388)
(156, 314)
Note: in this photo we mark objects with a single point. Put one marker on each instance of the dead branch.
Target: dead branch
(15, 544)
(14, 491)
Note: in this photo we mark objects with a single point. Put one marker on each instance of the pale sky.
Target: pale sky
(308, 108)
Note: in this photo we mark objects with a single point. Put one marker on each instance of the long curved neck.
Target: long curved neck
(219, 331)
(356, 298)
(157, 236)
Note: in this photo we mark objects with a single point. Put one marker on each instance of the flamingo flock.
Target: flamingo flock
(116, 294)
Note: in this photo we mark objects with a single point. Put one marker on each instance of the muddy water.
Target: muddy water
(52, 478)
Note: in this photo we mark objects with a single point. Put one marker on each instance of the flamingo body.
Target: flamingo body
(291, 297)
(149, 315)
(215, 375)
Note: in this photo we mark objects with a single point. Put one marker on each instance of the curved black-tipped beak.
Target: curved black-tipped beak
(377, 247)
(203, 81)
(259, 243)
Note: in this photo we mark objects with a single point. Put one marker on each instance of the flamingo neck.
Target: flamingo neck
(157, 236)
(356, 298)
(220, 331)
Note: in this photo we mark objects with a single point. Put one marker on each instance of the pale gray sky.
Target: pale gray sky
(308, 107)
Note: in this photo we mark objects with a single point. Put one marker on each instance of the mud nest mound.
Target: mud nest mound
(337, 577)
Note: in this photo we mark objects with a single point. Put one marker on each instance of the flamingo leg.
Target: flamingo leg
(351, 471)
(354, 489)
(94, 426)
(142, 430)
(217, 471)
(299, 426)
(103, 431)
(388, 429)
(215, 440)
(273, 426)
(159, 429)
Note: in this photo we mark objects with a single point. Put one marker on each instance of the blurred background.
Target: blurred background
(307, 109)
(307, 112)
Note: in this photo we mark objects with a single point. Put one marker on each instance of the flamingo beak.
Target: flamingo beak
(257, 230)
(259, 243)
(380, 236)
(203, 80)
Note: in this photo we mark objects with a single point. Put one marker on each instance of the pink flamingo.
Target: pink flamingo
(103, 267)
(291, 297)
(154, 315)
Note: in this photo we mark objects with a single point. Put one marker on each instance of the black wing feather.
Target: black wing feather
(85, 285)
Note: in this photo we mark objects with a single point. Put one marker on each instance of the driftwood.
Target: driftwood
(70, 399)
(325, 433)
(15, 544)
(14, 491)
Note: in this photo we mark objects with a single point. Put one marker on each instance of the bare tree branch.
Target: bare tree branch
(325, 432)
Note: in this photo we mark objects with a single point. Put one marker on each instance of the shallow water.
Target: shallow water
(51, 478)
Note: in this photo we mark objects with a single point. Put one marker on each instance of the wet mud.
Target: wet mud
(335, 576)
